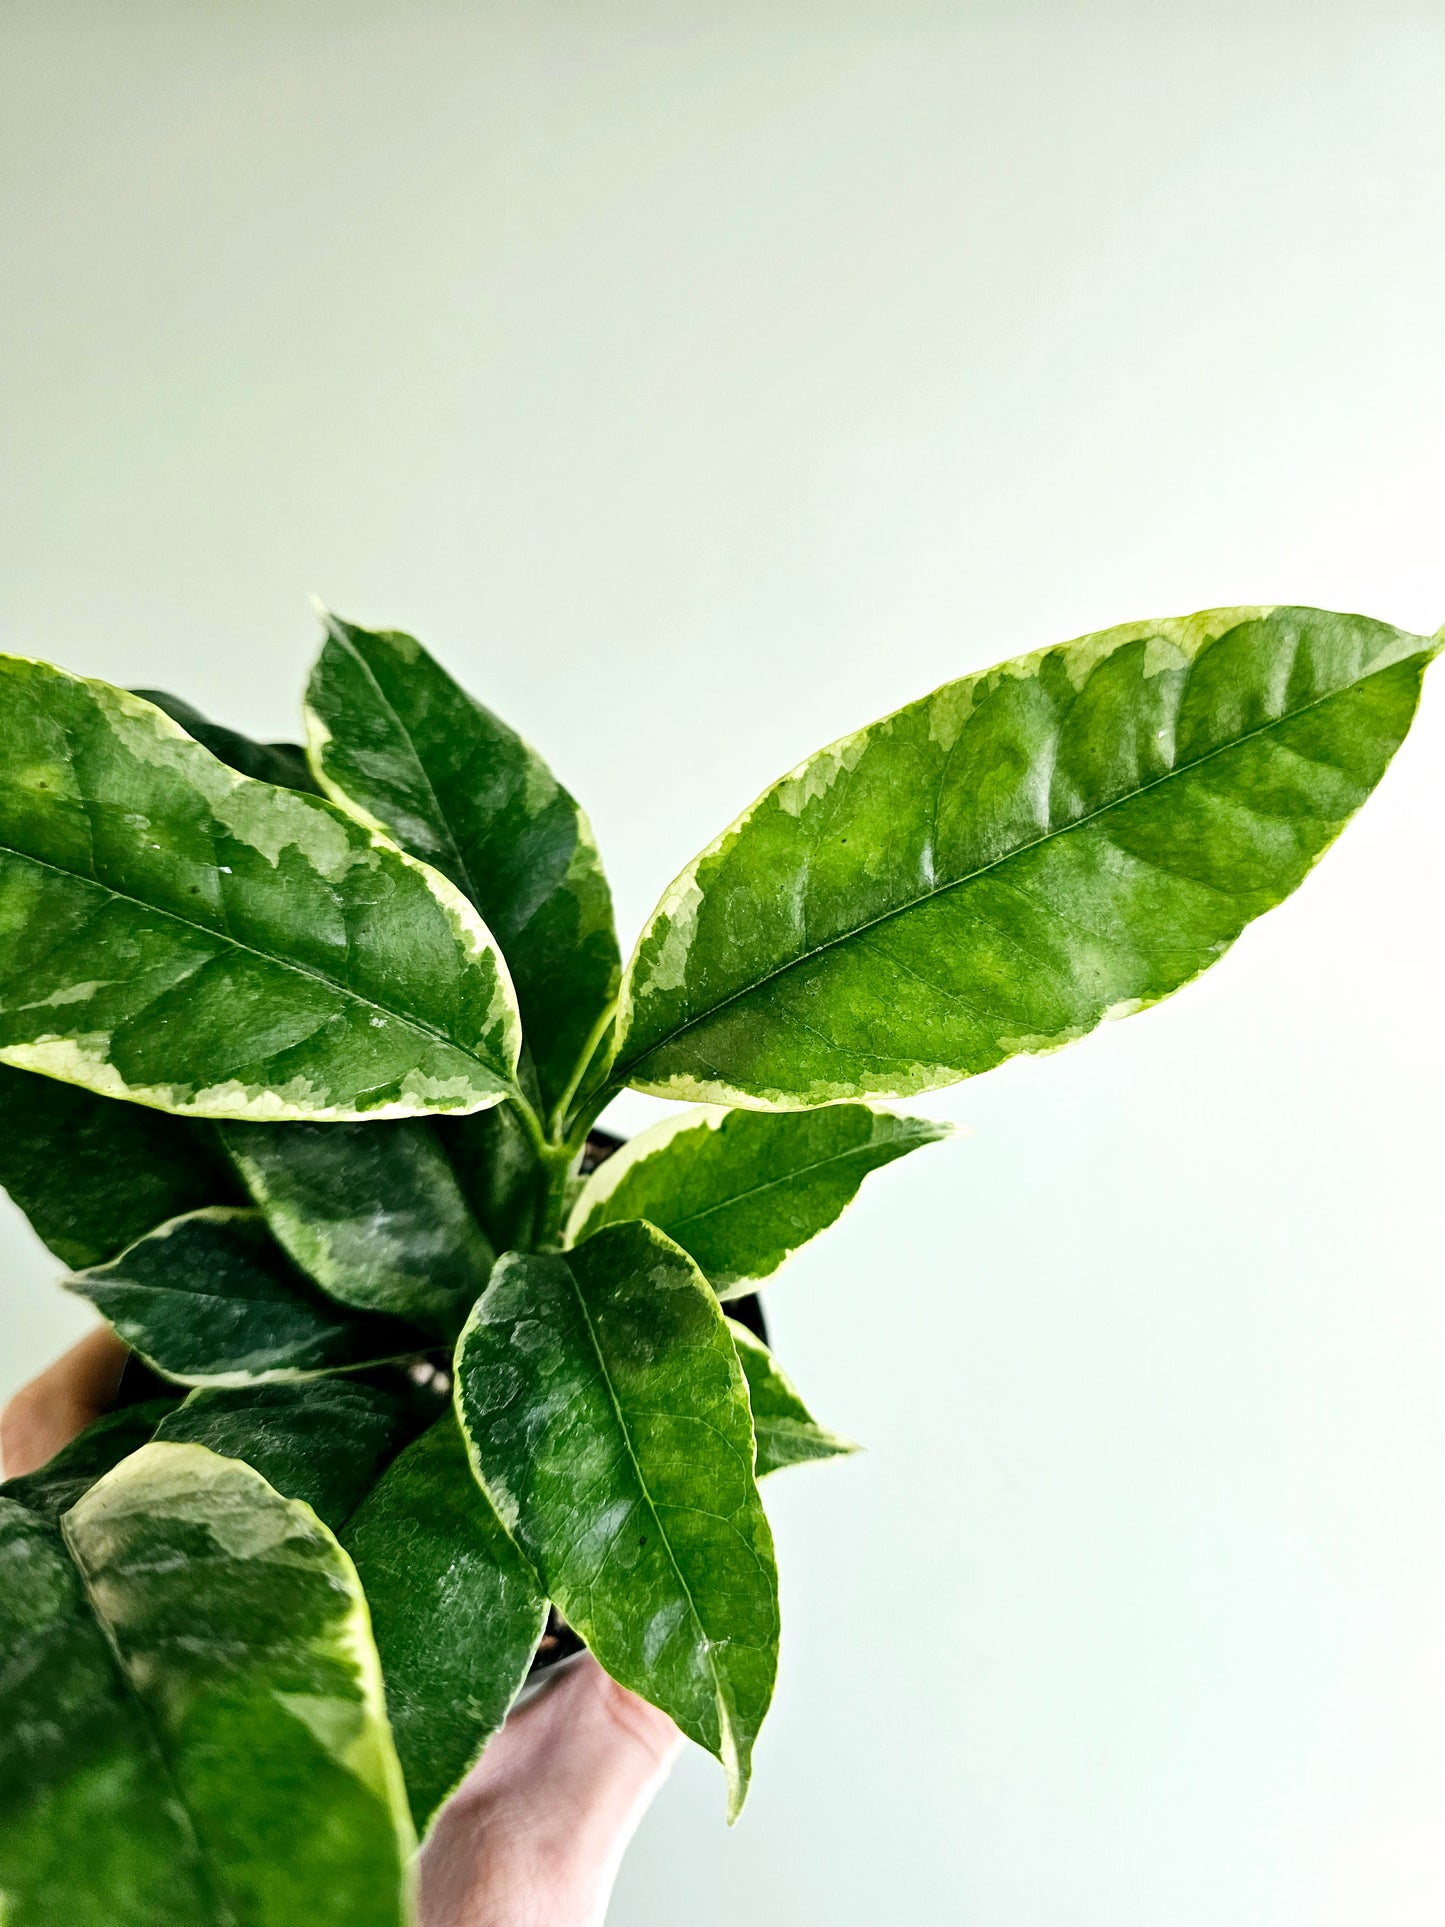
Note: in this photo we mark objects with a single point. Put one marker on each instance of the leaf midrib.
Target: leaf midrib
(408, 1018)
(441, 816)
(724, 1713)
(774, 1184)
(630, 1066)
(225, 1914)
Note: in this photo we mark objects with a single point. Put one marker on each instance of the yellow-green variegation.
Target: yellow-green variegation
(174, 932)
(396, 741)
(785, 1430)
(741, 1190)
(93, 1174)
(457, 1610)
(211, 1299)
(324, 1441)
(996, 868)
(191, 1722)
(607, 1418)
(302, 1087)
(372, 1213)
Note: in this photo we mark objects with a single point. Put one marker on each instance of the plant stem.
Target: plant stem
(559, 1120)
(531, 1124)
(559, 1161)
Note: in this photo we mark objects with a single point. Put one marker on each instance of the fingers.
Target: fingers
(535, 1834)
(53, 1408)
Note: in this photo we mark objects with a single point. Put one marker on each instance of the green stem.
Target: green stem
(591, 1109)
(531, 1124)
(560, 1122)
(560, 1161)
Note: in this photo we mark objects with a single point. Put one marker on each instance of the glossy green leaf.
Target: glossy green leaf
(92, 1174)
(372, 1212)
(996, 868)
(325, 1441)
(456, 1610)
(395, 740)
(210, 1299)
(741, 1190)
(607, 1417)
(498, 1170)
(93, 1833)
(193, 1731)
(56, 1486)
(175, 932)
(786, 1431)
(284, 764)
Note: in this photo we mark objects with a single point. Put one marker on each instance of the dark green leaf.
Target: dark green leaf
(209, 1299)
(455, 1608)
(786, 1431)
(994, 869)
(94, 1832)
(284, 764)
(324, 1440)
(498, 1171)
(220, 1629)
(393, 738)
(56, 1486)
(607, 1416)
(741, 1190)
(92, 1174)
(178, 933)
(372, 1212)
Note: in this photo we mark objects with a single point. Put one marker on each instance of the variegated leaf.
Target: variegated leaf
(210, 1299)
(175, 932)
(373, 1213)
(786, 1431)
(394, 739)
(996, 868)
(284, 764)
(191, 1726)
(93, 1174)
(607, 1418)
(456, 1609)
(325, 1441)
(741, 1190)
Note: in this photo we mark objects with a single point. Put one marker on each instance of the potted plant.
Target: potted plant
(300, 1059)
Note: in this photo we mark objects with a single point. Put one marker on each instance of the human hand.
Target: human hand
(535, 1834)
(58, 1405)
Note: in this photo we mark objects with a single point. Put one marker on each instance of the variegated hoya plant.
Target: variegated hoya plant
(299, 1056)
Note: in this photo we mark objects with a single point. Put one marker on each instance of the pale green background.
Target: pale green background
(702, 381)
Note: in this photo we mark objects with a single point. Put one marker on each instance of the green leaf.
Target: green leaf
(786, 1431)
(741, 1190)
(175, 932)
(607, 1418)
(192, 1711)
(394, 740)
(456, 1610)
(498, 1170)
(56, 1486)
(996, 868)
(209, 1299)
(325, 1441)
(95, 1834)
(284, 764)
(372, 1212)
(92, 1174)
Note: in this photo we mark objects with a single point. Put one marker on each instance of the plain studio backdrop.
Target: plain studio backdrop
(701, 382)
